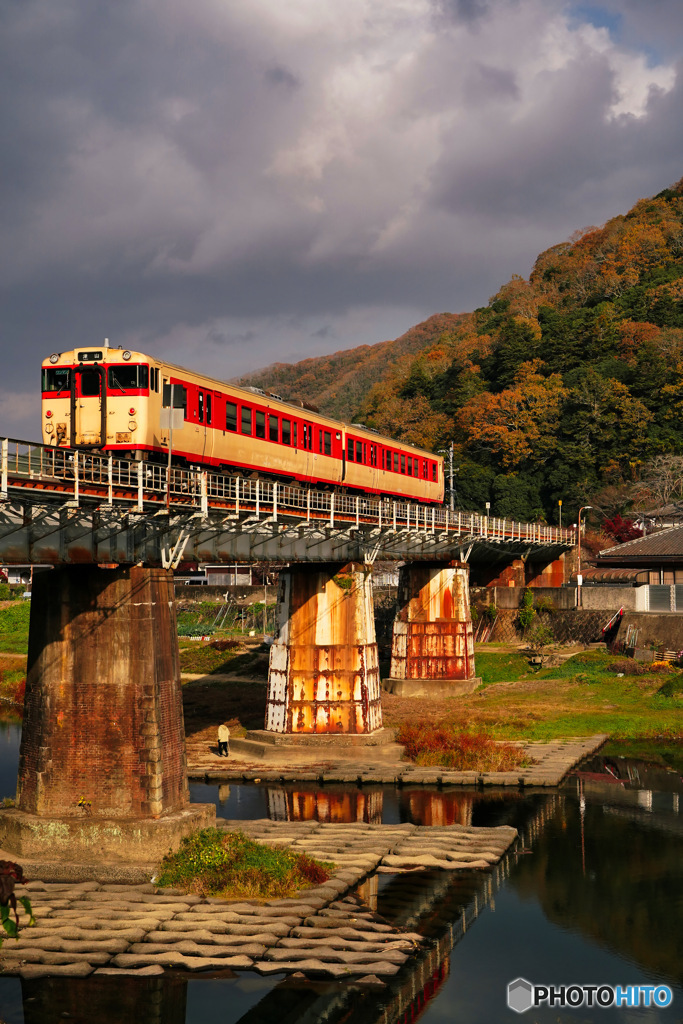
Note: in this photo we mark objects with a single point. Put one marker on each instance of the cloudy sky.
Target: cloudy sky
(232, 182)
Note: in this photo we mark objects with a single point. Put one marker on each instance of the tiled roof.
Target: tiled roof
(662, 546)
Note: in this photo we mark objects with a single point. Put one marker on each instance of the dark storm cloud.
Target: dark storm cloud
(227, 182)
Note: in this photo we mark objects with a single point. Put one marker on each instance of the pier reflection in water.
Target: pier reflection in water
(592, 893)
(376, 805)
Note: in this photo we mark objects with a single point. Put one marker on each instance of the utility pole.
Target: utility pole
(449, 452)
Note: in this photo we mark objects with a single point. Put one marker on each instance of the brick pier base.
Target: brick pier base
(102, 767)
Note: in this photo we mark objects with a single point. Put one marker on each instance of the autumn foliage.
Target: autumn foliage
(566, 386)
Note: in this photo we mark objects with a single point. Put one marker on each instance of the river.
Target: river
(592, 895)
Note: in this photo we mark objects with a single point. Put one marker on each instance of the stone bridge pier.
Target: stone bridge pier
(102, 767)
(323, 682)
(432, 652)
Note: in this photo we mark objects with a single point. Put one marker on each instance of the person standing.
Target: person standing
(223, 740)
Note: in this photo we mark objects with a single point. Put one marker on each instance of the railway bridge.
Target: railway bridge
(103, 724)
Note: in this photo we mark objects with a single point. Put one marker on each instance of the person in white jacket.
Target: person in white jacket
(223, 740)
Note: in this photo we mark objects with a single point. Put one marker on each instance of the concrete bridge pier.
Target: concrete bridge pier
(102, 767)
(323, 682)
(432, 653)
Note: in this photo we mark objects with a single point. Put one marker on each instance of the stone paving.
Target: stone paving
(553, 761)
(90, 927)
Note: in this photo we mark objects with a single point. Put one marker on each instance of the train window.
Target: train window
(373, 454)
(294, 432)
(179, 396)
(403, 463)
(287, 431)
(246, 419)
(200, 406)
(231, 416)
(395, 462)
(320, 442)
(308, 436)
(425, 475)
(208, 406)
(273, 428)
(410, 466)
(259, 424)
(433, 471)
(90, 383)
(349, 449)
(359, 451)
(127, 378)
(155, 379)
(57, 379)
(328, 443)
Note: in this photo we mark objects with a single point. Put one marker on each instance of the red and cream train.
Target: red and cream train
(113, 400)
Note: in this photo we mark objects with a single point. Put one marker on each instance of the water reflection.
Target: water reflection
(592, 892)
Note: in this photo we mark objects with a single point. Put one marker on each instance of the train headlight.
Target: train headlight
(126, 355)
(132, 425)
(54, 358)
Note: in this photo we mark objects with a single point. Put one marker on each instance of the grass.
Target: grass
(216, 862)
(220, 656)
(661, 750)
(14, 619)
(449, 747)
(580, 697)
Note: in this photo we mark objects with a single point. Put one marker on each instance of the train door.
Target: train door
(88, 406)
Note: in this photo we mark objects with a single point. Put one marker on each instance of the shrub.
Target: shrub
(628, 666)
(441, 745)
(672, 687)
(216, 862)
(526, 612)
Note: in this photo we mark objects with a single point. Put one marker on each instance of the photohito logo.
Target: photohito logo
(522, 995)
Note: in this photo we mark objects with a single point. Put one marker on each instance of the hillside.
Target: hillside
(338, 384)
(567, 386)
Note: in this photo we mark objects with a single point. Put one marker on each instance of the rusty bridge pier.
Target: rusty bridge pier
(102, 766)
(323, 682)
(432, 652)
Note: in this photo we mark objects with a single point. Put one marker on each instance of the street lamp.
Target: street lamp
(559, 505)
(579, 578)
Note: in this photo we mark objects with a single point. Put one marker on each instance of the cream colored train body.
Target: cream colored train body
(111, 400)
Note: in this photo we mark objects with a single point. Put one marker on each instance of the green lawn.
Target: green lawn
(14, 619)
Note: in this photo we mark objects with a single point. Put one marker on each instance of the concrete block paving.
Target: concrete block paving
(85, 928)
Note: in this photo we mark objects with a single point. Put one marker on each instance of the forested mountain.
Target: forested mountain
(568, 385)
(339, 384)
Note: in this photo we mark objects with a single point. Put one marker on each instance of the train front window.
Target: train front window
(127, 377)
(56, 379)
(231, 416)
(90, 383)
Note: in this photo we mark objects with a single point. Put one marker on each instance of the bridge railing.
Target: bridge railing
(78, 476)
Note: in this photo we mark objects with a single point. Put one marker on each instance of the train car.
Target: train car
(114, 400)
